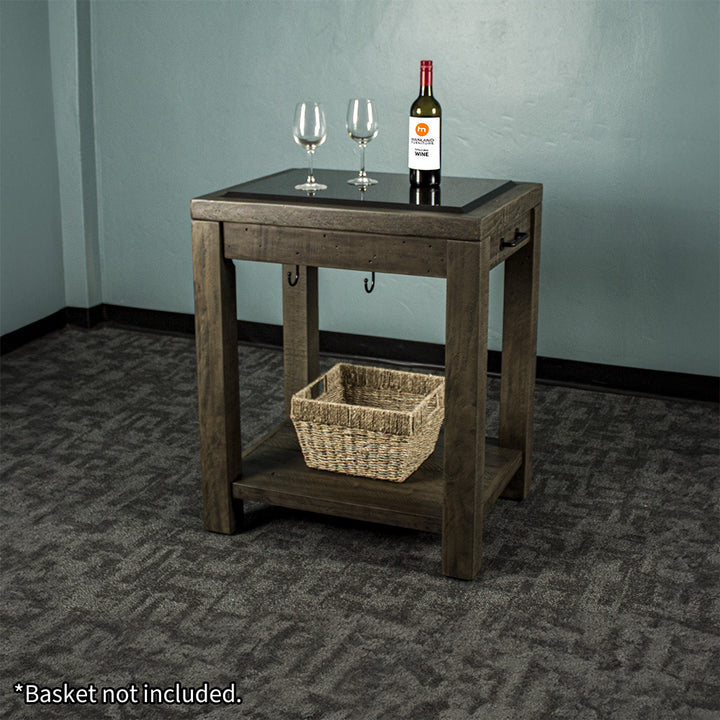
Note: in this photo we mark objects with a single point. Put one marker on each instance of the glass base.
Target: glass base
(362, 181)
(311, 186)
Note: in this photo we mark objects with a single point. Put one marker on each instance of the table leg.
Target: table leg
(519, 348)
(300, 330)
(466, 327)
(218, 381)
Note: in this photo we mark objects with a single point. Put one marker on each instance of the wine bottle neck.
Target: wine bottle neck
(426, 77)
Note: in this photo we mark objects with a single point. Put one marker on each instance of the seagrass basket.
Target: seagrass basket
(369, 421)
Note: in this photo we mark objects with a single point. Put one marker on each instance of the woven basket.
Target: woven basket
(369, 421)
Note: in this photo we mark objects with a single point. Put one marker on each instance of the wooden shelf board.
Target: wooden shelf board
(274, 471)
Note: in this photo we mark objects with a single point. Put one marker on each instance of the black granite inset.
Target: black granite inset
(393, 191)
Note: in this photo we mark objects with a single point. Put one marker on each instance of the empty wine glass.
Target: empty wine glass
(362, 126)
(310, 131)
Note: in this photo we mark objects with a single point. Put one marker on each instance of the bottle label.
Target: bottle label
(424, 143)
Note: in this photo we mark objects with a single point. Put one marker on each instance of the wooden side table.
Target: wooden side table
(457, 486)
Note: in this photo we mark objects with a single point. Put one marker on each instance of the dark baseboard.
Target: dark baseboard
(85, 317)
(154, 320)
(592, 376)
(633, 381)
(17, 338)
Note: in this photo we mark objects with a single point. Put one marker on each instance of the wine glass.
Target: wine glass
(362, 126)
(310, 131)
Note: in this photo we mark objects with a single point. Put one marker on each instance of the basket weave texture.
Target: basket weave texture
(369, 421)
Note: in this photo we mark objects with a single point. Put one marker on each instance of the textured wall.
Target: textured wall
(70, 52)
(612, 105)
(31, 266)
(601, 101)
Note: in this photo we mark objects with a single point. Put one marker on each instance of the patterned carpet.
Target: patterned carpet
(598, 599)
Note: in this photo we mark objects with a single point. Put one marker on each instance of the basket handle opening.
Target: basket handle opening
(430, 405)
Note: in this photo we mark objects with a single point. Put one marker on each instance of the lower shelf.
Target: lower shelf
(274, 471)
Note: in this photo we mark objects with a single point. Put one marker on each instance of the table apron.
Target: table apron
(336, 249)
(399, 254)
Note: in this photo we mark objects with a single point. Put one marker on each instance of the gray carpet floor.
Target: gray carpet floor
(598, 598)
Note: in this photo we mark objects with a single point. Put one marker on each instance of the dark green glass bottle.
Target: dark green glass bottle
(424, 153)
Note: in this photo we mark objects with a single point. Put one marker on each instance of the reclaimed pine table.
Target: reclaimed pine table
(478, 225)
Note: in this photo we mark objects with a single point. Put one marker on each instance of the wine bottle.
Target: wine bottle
(424, 132)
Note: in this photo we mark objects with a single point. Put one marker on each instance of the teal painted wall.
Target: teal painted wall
(614, 106)
(31, 265)
(70, 50)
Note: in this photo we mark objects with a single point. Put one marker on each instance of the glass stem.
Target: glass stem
(310, 169)
(362, 159)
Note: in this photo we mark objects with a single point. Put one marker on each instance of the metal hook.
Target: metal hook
(372, 284)
(291, 282)
(519, 237)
